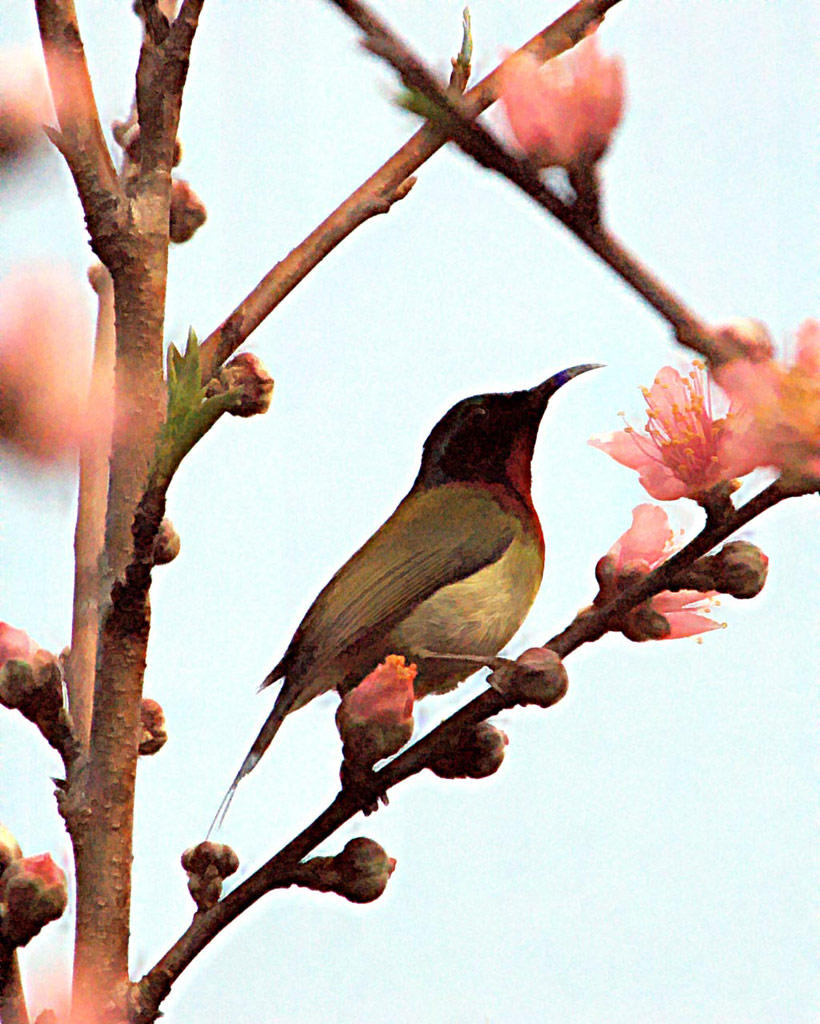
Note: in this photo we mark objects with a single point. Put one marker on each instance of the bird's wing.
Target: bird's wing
(434, 538)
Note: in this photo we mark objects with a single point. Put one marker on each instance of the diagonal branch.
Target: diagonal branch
(277, 871)
(379, 192)
(455, 119)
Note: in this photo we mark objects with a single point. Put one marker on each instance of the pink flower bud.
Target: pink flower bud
(537, 677)
(245, 374)
(564, 112)
(188, 212)
(207, 866)
(375, 719)
(477, 754)
(152, 727)
(166, 543)
(15, 643)
(33, 891)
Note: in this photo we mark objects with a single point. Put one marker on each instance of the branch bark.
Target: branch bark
(378, 193)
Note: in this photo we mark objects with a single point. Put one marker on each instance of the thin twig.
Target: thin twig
(456, 120)
(89, 534)
(379, 192)
(588, 626)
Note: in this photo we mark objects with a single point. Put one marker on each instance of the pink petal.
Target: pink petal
(807, 356)
(646, 539)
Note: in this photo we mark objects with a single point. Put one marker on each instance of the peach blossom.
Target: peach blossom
(645, 545)
(684, 449)
(16, 643)
(565, 111)
(784, 402)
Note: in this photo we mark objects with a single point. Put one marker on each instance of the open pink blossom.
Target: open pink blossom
(16, 643)
(45, 362)
(783, 402)
(684, 449)
(645, 545)
(565, 111)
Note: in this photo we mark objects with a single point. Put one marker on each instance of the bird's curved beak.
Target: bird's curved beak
(542, 393)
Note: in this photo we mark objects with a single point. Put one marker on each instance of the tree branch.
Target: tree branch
(379, 192)
(12, 1000)
(456, 120)
(276, 872)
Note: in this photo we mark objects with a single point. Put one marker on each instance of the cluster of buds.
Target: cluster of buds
(152, 727)
(32, 683)
(477, 754)
(33, 892)
(739, 569)
(207, 866)
(359, 873)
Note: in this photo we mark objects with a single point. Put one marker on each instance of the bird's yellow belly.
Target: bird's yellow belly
(477, 615)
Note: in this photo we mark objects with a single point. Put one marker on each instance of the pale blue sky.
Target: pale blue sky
(648, 852)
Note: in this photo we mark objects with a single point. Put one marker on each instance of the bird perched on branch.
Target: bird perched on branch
(453, 571)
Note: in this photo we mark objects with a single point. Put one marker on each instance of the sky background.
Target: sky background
(648, 851)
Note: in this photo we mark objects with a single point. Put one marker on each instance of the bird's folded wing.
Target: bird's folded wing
(434, 538)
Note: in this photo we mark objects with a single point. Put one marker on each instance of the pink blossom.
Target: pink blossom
(25, 102)
(375, 719)
(684, 450)
(645, 545)
(45, 358)
(565, 111)
(784, 402)
(15, 644)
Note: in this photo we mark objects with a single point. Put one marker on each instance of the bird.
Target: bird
(453, 571)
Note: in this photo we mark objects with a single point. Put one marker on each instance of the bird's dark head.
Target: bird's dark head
(490, 438)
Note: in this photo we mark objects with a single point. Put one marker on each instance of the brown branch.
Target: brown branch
(276, 872)
(379, 192)
(12, 1000)
(81, 138)
(89, 534)
(456, 120)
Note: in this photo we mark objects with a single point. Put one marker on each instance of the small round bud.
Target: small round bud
(9, 849)
(152, 727)
(166, 543)
(739, 569)
(35, 688)
(537, 677)
(207, 866)
(245, 374)
(477, 755)
(364, 870)
(375, 719)
(188, 212)
(33, 891)
(644, 623)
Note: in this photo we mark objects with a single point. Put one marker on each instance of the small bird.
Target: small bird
(453, 571)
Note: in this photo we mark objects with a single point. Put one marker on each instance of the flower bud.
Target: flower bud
(739, 569)
(15, 643)
(152, 727)
(364, 869)
(375, 719)
(207, 866)
(245, 374)
(166, 543)
(751, 338)
(128, 136)
(477, 754)
(35, 688)
(9, 849)
(188, 212)
(537, 677)
(33, 891)
(643, 623)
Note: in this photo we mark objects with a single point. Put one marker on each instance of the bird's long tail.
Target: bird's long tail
(285, 700)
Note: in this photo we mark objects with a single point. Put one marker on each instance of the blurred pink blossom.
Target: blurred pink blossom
(645, 545)
(25, 102)
(784, 403)
(684, 449)
(565, 111)
(45, 362)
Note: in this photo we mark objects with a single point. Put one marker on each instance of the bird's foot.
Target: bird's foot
(362, 783)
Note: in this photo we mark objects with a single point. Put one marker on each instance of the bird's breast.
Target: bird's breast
(478, 615)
